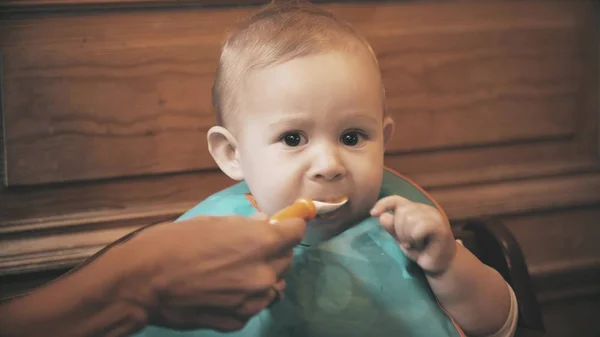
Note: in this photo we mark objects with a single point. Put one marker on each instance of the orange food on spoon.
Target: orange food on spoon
(302, 208)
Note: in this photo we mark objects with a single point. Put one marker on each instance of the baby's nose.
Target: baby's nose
(328, 167)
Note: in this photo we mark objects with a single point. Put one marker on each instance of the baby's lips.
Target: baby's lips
(307, 209)
(335, 200)
(328, 207)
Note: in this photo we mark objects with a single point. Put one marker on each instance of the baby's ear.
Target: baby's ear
(224, 150)
(388, 130)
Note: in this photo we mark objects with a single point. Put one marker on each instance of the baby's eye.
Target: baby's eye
(352, 138)
(293, 139)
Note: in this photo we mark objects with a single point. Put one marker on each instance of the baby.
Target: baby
(300, 113)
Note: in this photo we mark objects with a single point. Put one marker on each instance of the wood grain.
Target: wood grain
(106, 105)
(25, 205)
(572, 234)
(140, 82)
(29, 6)
(55, 242)
(561, 249)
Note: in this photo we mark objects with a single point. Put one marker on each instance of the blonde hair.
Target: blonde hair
(279, 32)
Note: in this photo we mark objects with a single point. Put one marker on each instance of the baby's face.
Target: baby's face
(314, 127)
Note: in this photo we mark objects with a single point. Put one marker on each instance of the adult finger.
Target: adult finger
(280, 285)
(287, 234)
(256, 303)
(279, 289)
(220, 322)
(190, 318)
(259, 216)
(282, 264)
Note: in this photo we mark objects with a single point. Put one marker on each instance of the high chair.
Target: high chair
(494, 245)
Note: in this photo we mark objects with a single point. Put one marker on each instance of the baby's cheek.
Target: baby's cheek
(268, 204)
(368, 192)
(274, 198)
(364, 200)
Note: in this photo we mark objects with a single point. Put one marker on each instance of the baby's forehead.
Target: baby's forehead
(300, 120)
(305, 83)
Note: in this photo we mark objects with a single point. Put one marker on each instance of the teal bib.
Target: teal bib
(356, 284)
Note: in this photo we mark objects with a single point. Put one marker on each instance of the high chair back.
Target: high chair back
(494, 245)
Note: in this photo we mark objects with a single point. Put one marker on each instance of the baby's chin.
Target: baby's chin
(326, 227)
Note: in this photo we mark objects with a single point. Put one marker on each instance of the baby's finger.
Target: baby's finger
(387, 222)
(388, 204)
(422, 235)
(402, 226)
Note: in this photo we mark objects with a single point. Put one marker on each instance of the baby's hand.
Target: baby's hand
(421, 231)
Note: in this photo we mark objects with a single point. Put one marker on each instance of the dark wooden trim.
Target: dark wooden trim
(451, 182)
(3, 160)
(59, 241)
(562, 280)
(491, 174)
(36, 6)
(32, 6)
(97, 219)
(519, 196)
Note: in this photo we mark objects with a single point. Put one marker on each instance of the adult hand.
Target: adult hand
(213, 272)
(207, 272)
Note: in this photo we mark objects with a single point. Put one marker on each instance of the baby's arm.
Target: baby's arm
(473, 294)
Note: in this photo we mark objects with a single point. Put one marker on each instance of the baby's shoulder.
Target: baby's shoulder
(229, 201)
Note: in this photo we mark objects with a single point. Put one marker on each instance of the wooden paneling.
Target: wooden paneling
(140, 82)
(105, 113)
(33, 205)
(560, 241)
(555, 229)
(29, 206)
(573, 317)
(561, 248)
(32, 244)
(28, 6)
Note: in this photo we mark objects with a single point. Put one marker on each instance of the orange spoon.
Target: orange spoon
(307, 209)
(302, 208)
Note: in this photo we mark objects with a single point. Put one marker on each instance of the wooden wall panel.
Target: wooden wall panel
(37, 240)
(561, 248)
(554, 230)
(105, 113)
(140, 83)
(53, 206)
(29, 6)
(559, 242)
(573, 317)
(34, 206)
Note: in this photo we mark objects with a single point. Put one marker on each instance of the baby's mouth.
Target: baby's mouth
(330, 205)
